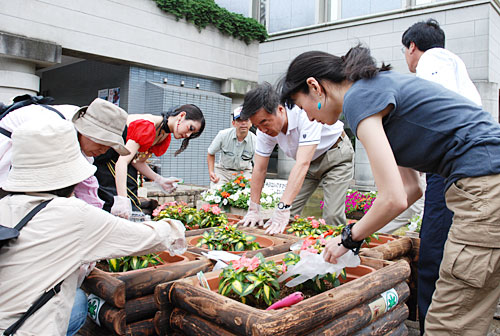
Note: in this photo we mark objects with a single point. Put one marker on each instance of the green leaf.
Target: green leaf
(250, 238)
(266, 290)
(114, 265)
(249, 289)
(252, 277)
(239, 246)
(135, 263)
(237, 287)
(224, 290)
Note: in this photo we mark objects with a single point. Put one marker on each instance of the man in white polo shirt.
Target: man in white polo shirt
(323, 154)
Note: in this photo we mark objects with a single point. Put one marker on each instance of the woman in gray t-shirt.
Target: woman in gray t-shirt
(407, 124)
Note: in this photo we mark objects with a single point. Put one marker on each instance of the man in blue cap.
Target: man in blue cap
(237, 147)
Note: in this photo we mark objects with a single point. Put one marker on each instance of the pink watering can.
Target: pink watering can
(287, 301)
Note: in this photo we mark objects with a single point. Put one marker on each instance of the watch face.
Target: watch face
(281, 205)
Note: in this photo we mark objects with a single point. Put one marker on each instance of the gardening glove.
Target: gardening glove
(122, 207)
(178, 243)
(278, 221)
(253, 216)
(167, 184)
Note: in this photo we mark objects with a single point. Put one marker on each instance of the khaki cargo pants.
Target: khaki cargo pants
(468, 287)
(334, 170)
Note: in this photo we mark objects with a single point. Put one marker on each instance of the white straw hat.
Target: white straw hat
(46, 156)
(103, 122)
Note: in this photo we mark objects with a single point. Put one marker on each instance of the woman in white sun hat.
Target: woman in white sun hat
(46, 165)
(99, 125)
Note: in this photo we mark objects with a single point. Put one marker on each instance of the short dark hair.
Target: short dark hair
(62, 192)
(263, 96)
(425, 34)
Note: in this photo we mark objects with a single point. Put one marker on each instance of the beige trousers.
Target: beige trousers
(334, 170)
(468, 287)
(226, 175)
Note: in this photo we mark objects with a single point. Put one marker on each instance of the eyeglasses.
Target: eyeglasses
(403, 49)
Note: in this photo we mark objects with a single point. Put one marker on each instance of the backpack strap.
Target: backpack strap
(45, 296)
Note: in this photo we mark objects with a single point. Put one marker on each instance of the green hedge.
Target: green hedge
(205, 12)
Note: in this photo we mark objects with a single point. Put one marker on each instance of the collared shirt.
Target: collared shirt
(87, 189)
(300, 132)
(444, 67)
(53, 245)
(235, 155)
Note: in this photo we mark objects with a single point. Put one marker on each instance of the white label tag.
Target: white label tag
(95, 304)
(391, 299)
(142, 192)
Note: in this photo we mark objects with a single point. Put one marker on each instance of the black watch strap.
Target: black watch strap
(347, 242)
(283, 206)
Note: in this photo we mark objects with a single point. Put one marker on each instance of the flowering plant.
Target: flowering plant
(228, 238)
(253, 276)
(236, 193)
(180, 211)
(359, 201)
(310, 226)
(211, 215)
(415, 223)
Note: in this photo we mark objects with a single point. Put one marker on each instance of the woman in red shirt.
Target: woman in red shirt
(146, 134)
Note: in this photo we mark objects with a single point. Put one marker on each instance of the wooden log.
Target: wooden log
(191, 324)
(141, 328)
(400, 330)
(144, 283)
(162, 322)
(140, 308)
(245, 320)
(105, 286)
(390, 250)
(386, 322)
(359, 316)
(315, 311)
(112, 318)
(228, 313)
(92, 329)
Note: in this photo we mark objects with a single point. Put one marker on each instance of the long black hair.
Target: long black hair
(356, 64)
(193, 112)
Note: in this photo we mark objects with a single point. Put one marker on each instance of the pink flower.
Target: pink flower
(312, 250)
(171, 203)
(322, 241)
(283, 267)
(310, 218)
(315, 224)
(216, 210)
(236, 264)
(156, 211)
(251, 264)
(322, 221)
(308, 242)
(179, 210)
(205, 207)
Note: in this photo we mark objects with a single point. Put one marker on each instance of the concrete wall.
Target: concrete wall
(131, 31)
(472, 32)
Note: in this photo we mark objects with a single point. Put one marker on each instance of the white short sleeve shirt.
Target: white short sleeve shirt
(301, 132)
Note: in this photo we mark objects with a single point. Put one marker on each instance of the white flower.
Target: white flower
(234, 197)
(269, 199)
(262, 200)
(217, 199)
(224, 202)
(246, 191)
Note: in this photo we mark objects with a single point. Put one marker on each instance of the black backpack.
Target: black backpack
(22, 101)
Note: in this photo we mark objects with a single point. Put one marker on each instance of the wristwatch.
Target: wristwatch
(283, 206)
(347, 242)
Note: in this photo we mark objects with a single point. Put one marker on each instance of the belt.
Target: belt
(338, 140)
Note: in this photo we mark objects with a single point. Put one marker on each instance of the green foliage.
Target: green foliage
(207, 216)
(204, 12)
(252, 280)
(125, 264)
(228, 238)
(310, 226)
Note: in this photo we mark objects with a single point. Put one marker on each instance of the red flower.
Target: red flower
(225, 194)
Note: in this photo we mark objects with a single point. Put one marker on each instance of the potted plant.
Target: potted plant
(235, 194)
(357, 203)
(310, 226)
(227, 238)
(211, 216)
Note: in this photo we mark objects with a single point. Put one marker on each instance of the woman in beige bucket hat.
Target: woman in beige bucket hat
(46, 165)
(147, 134)
(100, 126)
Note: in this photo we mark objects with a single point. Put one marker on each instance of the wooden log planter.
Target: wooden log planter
(354, 308)
(130, 305)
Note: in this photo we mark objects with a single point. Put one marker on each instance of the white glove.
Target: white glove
(122, 207)
(278, 221)
(167, 184)
(253, 216)
(179, 244)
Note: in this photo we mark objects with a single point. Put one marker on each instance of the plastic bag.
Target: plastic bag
(312, 264)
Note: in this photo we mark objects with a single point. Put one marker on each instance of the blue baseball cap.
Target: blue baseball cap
(237, 112)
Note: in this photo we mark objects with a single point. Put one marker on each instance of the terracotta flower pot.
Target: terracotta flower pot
(382, 239)
(264, 242)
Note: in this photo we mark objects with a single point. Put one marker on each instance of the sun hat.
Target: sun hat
(237, 112)
(46, 156)
(103, 122)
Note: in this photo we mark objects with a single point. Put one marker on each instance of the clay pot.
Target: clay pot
(382, 239)
(263, 242)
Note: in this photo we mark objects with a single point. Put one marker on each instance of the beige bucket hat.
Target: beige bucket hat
(102, 122)
(46, 157)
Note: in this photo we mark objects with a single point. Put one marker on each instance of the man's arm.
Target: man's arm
(211, 168)
(258, 177)
(298, 173)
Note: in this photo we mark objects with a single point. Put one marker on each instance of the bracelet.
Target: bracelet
(347, 242)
